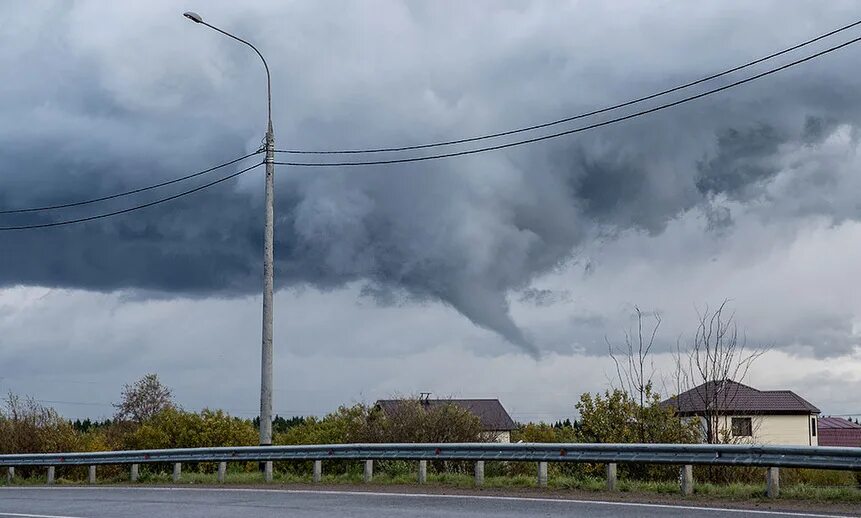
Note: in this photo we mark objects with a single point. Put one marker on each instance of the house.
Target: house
(836, 431)
(495, 421)
(733, 412)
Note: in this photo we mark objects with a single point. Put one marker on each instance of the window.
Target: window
(813, 426)
(741, 427)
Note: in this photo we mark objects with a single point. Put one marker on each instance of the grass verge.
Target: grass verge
(556, 484)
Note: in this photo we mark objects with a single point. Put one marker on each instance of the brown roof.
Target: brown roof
(834, 431)
(734, 397)
(492, 414)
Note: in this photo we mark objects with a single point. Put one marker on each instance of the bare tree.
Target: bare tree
(143, 399)
(710, 369)
(635, 369)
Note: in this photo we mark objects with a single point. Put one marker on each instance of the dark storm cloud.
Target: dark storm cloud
(742, 161)
(465, 232)
(544, 297)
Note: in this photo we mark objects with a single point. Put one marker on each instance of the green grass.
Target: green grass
(558, 484)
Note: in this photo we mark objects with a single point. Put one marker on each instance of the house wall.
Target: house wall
(775, 429)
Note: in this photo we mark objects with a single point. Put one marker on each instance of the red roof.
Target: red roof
(836, 431)
(837, 422)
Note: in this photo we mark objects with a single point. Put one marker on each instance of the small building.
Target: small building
(836, 431)
(495, 421)
(744, 414)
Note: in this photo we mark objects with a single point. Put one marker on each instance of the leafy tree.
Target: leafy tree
(410, 422)
(543, 432)
(413, 421)
(174, 428)
(87, 425)
(566, 424)
(616, 417)
(27, 426)
(281, 425)
(143, 400)
(331, 429)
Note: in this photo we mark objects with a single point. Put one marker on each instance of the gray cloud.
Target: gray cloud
(96, 109)
(741, 162)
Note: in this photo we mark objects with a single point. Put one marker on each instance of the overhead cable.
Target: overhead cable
(126, 193)
(575, 117)
(575, 130)
(130, 209)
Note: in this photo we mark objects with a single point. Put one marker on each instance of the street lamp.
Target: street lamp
(268, 259)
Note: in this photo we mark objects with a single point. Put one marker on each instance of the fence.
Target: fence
(685, 455)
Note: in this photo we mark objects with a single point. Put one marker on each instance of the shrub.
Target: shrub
(173, 428)
(26, 426)
(616, 417)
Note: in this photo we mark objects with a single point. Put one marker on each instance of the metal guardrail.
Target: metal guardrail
(681, 454)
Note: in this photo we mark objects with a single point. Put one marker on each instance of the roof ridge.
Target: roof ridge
(445, 399)
(745, 386)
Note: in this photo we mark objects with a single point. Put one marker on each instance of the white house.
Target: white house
(743, 414)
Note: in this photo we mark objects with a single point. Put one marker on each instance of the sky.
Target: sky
(502, 274)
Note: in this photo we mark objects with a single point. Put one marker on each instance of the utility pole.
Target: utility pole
(268, 289)
(268, 259)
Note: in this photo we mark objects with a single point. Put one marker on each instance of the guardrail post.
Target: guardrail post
(369, 470)
(317, 475)
(50, 474)
(222, 471)
(134, 473)
(542, 474)
(423, 471)
(267, 471)
(479, 473)
(687, 480)
(91, 478)
(611, 476)
(772, 482)
(177, 471)
(10, 474)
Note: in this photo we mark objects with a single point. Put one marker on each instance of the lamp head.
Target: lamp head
(193, 17)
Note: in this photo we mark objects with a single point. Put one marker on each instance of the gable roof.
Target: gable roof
(733, 397)
(490, 412)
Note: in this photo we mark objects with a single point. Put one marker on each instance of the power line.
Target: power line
(127, 193)
(79, 403)
(574, 117)
(130, 209)
(399, 160)
(575, 130)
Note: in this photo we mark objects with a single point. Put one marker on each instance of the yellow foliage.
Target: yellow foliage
(173, 428)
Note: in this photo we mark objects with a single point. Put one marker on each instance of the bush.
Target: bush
(616, 417)
(173, 428)
(26, 426)
(332, 429)
(411, 422)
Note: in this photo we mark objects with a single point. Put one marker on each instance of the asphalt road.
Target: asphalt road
(115, 502)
